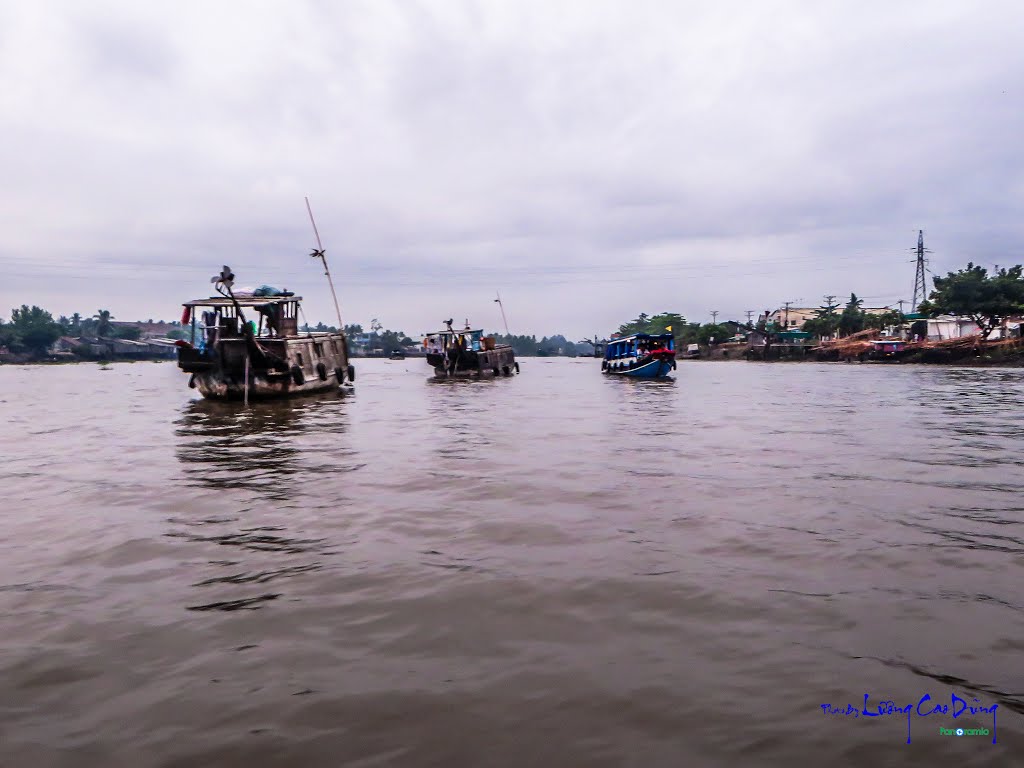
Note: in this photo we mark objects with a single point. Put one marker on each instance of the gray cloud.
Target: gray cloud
(591, 160)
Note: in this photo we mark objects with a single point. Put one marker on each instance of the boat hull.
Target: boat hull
(500, 361)
(652, 369)
(217, 387)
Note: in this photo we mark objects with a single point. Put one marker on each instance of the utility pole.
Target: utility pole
(786, 321)
(901, 302)
(714, 316)
(750, 314)
(919, 280)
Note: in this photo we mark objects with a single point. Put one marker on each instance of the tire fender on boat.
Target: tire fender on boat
(192, 381)
(298, 376)
(321, 371)
(351, 373)
(517, 367)
(339, 374)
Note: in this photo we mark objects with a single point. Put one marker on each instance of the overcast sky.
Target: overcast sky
(589, 160)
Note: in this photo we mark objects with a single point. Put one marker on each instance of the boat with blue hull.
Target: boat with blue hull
(640, 356)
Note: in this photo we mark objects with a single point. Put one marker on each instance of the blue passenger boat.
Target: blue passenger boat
(642, 356)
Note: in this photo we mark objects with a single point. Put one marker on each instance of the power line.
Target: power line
(377, 268)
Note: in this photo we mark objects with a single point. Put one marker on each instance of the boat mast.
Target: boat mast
(502, 307)
(319, 254)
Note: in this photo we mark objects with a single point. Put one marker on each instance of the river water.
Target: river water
(555, 569)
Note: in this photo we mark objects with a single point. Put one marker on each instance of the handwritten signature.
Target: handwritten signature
(923, 709)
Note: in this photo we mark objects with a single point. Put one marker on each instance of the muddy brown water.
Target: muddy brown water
(555, 569)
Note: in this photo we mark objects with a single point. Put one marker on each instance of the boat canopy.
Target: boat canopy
(273, 315)
(243, 301)
(629, 346)
(441, 340)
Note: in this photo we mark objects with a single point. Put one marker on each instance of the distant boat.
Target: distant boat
(641, 356)
(397, 355)
(232, 358)
(468, 353)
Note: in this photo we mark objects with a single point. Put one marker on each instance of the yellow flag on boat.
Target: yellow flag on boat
(668, 327)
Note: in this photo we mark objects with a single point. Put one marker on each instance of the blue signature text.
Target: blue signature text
(923, 708)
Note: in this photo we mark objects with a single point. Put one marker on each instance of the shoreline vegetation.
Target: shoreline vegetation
(990, 307)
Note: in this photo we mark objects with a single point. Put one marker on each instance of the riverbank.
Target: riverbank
(964, 352)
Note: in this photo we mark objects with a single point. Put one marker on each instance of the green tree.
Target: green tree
(642, 324)
(825, 320)
(389, 341)
(76, 323)
(557, 345)
(987, 300)
(34, 329)
(710, 331)
(662, 322)
(885, 320)
(852, 319)
(7, 336)
(103, 318)
(525, 346)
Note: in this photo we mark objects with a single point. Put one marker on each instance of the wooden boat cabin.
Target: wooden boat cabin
(468, 353)
(244, 345)
(641, 355)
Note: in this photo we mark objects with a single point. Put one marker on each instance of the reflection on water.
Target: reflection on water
(257, 454)
(255, 448)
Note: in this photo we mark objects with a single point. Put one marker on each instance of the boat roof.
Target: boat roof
(642, 336)
(457, 333)
(243, 301)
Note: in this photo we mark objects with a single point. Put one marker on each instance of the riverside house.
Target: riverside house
(795, 317)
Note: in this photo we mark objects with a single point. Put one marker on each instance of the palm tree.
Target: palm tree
(103, 326)
(76, 323)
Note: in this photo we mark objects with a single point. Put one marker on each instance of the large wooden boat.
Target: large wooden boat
(233, 357)
(468, 353)
(641, 356)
